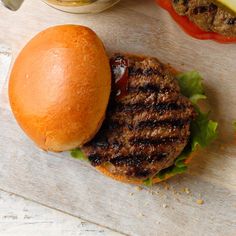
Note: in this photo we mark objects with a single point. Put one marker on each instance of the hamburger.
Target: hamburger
(132, 117)
(153, 124)
(204, 19)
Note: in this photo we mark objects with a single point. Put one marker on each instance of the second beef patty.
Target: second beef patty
(207, 15)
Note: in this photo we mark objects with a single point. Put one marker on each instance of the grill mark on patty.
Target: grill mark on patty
(137, 159)
(145, 115)
(101, 144)
(133, 71)
(115, 125)
(140, 173)
(95, 159)
(185, 2)
(147, 88)
(150, 88)
(149, 141)
(231, 21)
(159, 107)
(151, 123)
(200, 10)
(179, 123)
(150, 98)
(136, 139)
(205, 8)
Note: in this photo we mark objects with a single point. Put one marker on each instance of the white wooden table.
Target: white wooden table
(21, 217)
(73, 187)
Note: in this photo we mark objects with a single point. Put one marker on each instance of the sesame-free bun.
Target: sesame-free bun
(59, 87)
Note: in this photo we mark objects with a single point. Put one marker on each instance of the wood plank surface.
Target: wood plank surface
(58, 181)
(22, 217)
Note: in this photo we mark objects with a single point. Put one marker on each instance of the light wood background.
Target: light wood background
(72, 186)
(21, 217)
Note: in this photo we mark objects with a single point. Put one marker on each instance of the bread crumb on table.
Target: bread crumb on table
(165, 185)
(138, 188)
(164, 205)
(186, 190)
(200, 201)
(141, 214)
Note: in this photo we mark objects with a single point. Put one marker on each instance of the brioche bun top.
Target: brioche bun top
(59, 87)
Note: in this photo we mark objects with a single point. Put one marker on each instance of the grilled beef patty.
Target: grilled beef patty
(147, 122)
(207, 15)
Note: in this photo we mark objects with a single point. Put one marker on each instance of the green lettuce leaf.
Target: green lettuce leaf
(203, 130)
(78, 154)
(148, 182)
(171, 170)
(191, 86)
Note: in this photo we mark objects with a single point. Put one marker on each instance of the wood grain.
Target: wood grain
(61, 182)
(21, 217)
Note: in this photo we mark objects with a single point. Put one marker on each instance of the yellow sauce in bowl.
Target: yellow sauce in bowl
(70, 3)
(82, 6)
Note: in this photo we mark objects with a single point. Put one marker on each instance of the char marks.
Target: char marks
(148, 126)
(175, 123)
(207, 16)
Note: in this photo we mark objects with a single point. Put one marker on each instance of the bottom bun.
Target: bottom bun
(105, 170)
